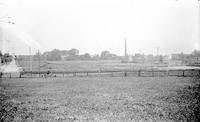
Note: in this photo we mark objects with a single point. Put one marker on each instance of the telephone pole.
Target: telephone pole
(39, 62)
(30, 59)
(157, 51)
(125, 48)
(198, 40)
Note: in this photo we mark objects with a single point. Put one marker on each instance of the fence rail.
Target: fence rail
(108, 73)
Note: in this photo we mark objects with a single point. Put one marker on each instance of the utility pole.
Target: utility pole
(157, 51)
(125, 48)
(198, 40)
(1, 48)
(30, 59)
(39, 62)
(1, 40)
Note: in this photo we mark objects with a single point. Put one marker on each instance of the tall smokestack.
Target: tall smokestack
(125, 48)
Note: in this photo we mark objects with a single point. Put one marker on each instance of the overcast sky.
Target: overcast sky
(96, 25)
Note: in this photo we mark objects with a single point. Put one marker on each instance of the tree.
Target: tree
(196, 53)
(96, 57)
(53, 55)
(7, 58)
(1, 54)
(108, 55)
(85, 56)
(105, 54)
(73, 52)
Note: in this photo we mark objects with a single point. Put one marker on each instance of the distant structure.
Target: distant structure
(141, 58)
(127, 58)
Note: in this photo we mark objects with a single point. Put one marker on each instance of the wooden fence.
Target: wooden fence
(105, 73)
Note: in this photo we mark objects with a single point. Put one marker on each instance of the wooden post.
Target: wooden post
(152, 73)
(87, 73)
(20, 75)
(1, 74)
(183, 73)
(199, 72)
(139, 73)
(10, 75)
(125, 74)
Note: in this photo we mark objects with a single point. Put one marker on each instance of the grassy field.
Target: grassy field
(100, 99)
(84, 65)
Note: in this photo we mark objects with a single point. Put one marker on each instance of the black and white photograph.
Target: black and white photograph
(99, 60)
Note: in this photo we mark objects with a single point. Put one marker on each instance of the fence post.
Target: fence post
(139, 72)
(1, 74)
(125, 74)
(87, 73)
(183, 73)
(199, 72)
(20, 75)
(152, 73)
(10, 75)
(168, 73)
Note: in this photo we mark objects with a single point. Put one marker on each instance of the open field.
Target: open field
(100, 99)
(85, 65)
(100, 65)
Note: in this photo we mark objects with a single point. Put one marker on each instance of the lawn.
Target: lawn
(99, 99)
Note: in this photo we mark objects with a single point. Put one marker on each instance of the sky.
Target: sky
(92, 26)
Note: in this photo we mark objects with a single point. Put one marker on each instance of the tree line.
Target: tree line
(72, 54)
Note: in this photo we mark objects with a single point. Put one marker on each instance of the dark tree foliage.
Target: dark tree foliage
(6, 58)
(73, 52)
(1, 54)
